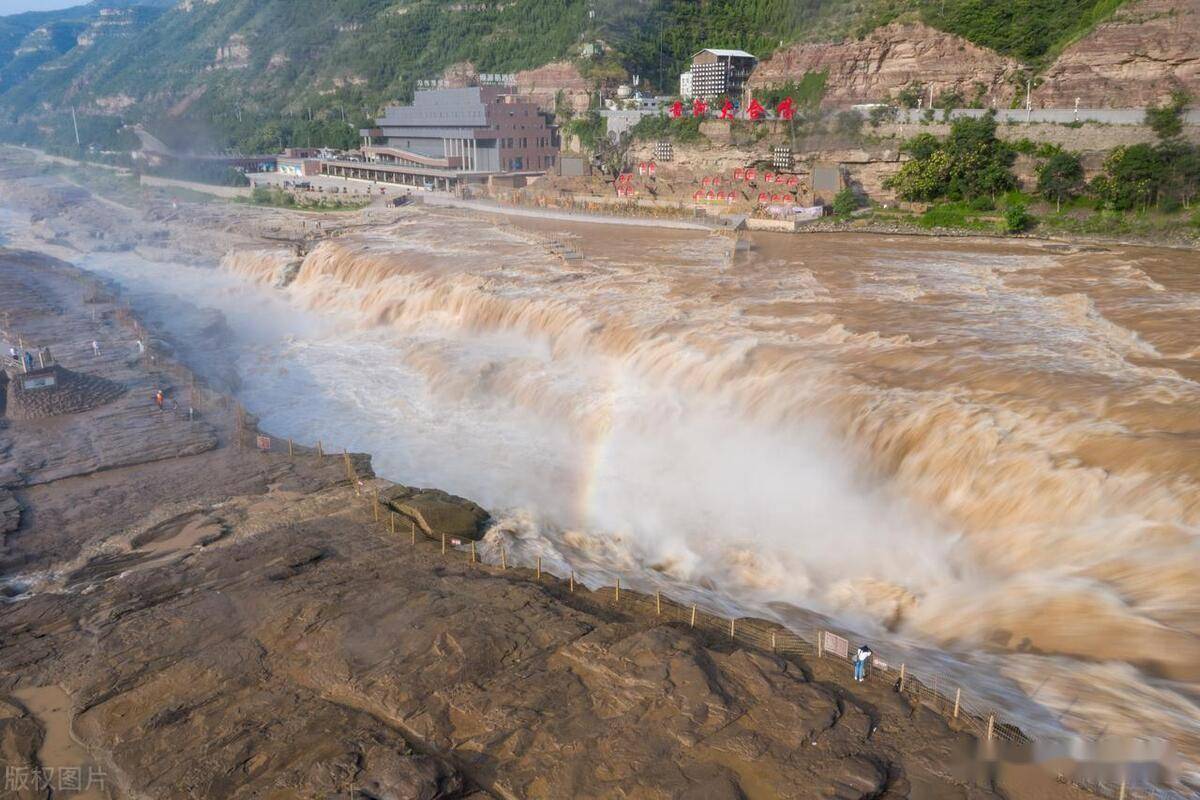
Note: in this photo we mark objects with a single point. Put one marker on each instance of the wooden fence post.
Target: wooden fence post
(693, 615)
(991, 726)
(472, 551)
(539, 568)
(658, 602)
(572, 581)
(443, 543)
(290, 451)
(503, 559)
(957, 698)
(1121, 793)
(772, 642)
(731, 629)
(902, 668)
(412, 530)
(392, 515)
(320, 450)
(820, 643)
(350, 476)
(617, 592)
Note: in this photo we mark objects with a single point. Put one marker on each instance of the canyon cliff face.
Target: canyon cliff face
(1137, 58)
(876, 68)
(541, 84)
(1147, 49)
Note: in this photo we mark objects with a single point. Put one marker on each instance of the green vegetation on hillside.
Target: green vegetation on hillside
(1142, 189)
(301, 71)
(807, 93)
(280, 198)
(970, 162)
(1032, 31)
(311, 72)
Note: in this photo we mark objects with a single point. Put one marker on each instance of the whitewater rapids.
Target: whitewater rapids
(990, 448)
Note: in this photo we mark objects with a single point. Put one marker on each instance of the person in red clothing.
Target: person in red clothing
(158, 399)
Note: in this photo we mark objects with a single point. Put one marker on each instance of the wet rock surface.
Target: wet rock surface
(65, 392)
(105, 414)
(436, 512)
(10, 512)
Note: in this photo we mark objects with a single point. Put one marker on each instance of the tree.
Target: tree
(923, 179)
(1167, 120)
(1060, 176)
(909, 96)
(970, 162)
(845, 202)
(1017, 218)
(1130, 179)
(921, 146)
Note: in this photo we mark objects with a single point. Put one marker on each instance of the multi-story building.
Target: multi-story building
(717, 73)
(450, 136)
(685, 85)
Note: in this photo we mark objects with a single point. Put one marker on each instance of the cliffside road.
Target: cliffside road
(226, 623)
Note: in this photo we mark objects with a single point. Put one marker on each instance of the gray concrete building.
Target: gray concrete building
(451, 136)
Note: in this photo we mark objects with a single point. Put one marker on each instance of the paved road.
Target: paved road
(326, 182)
(441, 199)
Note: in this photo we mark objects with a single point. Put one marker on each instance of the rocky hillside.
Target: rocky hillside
(891, 59)
(252, 74)
(1146, 50)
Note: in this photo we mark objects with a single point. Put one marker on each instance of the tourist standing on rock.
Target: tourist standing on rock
(95, 348)
(860, 662)
(158, 399)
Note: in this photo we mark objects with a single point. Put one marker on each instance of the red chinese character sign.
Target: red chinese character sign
(786, 109)
(699, 108)
(755, 111)
(727, 110)
(677, 109)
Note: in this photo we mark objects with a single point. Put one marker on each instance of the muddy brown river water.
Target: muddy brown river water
(987, 445)
(984, 451)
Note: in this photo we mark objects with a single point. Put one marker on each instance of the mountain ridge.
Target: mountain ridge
(228, 70)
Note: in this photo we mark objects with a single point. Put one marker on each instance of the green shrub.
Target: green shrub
(845, 202)
(1060, 177)
(805, 94)
(660, 127)
(882, 114)
(1017, 218)
(909, 96)
(1167, 120)
(968, 163)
